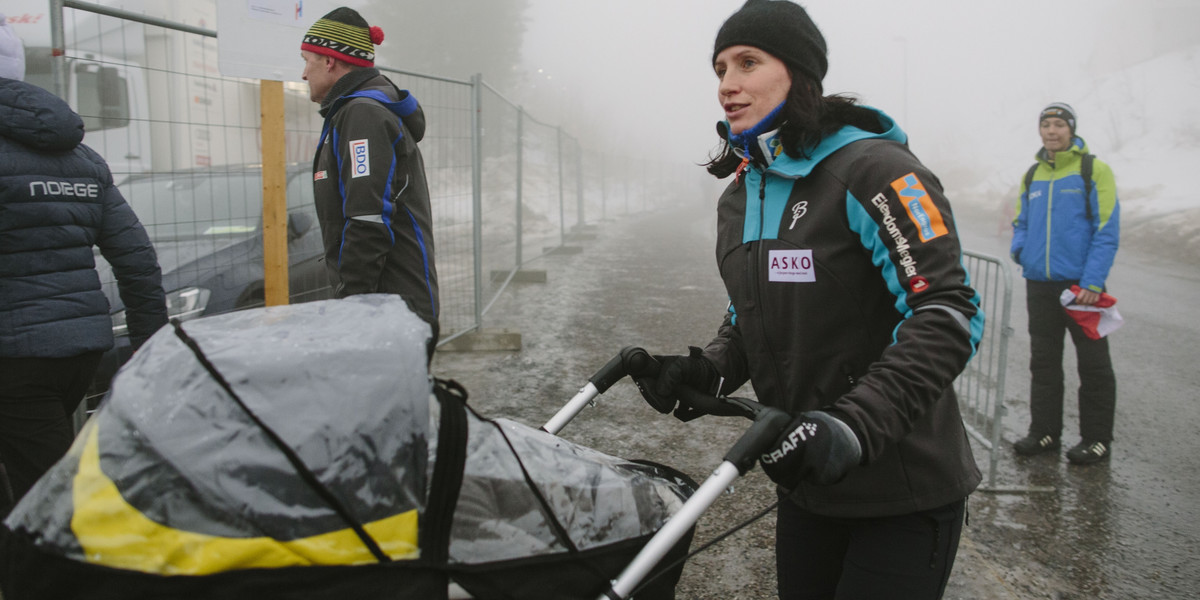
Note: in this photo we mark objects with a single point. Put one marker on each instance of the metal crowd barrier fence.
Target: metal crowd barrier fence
(980, 387)
(506, 188)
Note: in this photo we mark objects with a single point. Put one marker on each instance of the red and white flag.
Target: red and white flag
(1097, 320)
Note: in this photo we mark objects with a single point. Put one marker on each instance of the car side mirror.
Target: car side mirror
(298, 224)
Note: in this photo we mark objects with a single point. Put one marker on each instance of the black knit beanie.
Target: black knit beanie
(783, 29)
(344, 35)
(1061, 110)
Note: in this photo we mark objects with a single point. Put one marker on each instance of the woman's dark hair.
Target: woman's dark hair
(807, 118)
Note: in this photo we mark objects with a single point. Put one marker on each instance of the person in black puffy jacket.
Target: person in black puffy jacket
(57, 202)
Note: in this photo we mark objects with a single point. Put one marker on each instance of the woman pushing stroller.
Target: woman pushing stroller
(849, 309)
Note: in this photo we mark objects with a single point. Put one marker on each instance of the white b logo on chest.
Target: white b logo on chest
(798, 210)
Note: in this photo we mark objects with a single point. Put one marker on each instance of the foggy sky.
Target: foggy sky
(958, 76)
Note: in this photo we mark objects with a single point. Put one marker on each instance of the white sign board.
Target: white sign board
(260, 39)
(31, 22)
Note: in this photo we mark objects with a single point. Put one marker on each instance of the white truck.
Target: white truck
(151, 97)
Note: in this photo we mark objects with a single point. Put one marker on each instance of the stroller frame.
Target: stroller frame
(768, 424)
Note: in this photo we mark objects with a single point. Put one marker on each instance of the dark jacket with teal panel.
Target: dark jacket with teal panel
(1056, 237)
(848, 294)
(371, 195)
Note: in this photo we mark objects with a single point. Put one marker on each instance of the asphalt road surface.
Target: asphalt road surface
(1122, 529)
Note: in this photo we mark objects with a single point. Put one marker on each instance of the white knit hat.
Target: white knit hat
(12, 52)
(1061, 110)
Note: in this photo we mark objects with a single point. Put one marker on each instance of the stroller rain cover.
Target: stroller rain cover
(305, 452)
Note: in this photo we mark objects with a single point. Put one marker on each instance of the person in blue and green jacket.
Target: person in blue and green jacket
(1065, 233)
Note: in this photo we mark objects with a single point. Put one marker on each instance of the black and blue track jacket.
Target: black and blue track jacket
(848, 294)
(371, 194)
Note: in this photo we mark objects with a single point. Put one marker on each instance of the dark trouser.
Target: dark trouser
(1097, 382)
(38, 397)
(903, 557)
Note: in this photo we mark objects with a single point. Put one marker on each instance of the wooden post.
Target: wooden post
(274, 209)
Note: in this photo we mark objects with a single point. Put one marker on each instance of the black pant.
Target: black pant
(905, 557)
(1097, 382)
(38, 397)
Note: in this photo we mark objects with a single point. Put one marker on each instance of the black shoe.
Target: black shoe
(1036, 444)
(1087, 452)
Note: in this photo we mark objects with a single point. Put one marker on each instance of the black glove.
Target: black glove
(693, 370)
(816, 447)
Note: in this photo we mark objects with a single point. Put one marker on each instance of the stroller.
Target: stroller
(305, 452)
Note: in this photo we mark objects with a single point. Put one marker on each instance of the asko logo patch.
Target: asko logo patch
(791, 265)
(921, 210)
(360, 159)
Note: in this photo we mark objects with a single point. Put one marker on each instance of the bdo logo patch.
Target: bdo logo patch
(921, 210)
(360, 159)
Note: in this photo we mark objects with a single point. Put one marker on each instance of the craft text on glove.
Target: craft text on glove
(817, 447)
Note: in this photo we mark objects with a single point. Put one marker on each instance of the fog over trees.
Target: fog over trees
(964, 79)
(453, 38)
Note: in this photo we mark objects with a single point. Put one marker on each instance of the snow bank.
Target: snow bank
(1143, 122)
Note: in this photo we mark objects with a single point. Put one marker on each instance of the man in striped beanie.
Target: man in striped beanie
(369, 183)
(344, 36)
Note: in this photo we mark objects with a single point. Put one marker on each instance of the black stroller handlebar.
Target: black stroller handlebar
(769, 422)
(636, 363)
(631, 361)
(641, 366)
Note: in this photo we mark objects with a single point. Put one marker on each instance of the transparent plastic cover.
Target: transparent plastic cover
(172, 475)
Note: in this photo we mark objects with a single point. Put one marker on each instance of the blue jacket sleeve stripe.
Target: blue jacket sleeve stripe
(337, 158)
(389, 206)
(868, 233)
(420, 235)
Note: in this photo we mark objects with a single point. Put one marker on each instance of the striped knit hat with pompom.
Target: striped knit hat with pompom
(344, 35)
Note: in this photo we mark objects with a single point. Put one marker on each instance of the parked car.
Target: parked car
(206, 227)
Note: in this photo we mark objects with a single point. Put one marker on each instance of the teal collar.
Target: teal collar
(779, 163)
(787, 166)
